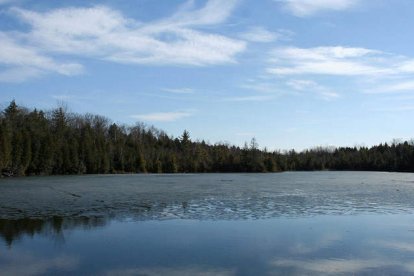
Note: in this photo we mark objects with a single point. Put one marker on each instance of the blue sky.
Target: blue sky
(292, 73)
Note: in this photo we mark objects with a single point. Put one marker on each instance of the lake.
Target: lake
(293, 223)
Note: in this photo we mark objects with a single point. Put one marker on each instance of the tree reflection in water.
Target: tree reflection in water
(13, 230)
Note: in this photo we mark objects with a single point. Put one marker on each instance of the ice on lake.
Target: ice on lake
(302, 223)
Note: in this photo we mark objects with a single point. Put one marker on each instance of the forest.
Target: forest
(57, 142)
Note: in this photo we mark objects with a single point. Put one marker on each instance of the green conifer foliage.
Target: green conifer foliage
(58, 142)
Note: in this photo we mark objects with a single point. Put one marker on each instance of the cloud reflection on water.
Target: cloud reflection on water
(396, 245)
(173, 271)
(321, 223)
(326, 240)
(331, 266)
(341, 266)
(28, 263)
(300, 246)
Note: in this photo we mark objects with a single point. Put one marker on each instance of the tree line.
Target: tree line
(35, 142)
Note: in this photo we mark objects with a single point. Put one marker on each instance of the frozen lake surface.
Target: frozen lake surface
(297, 223)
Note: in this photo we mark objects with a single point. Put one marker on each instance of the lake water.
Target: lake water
(302, 223)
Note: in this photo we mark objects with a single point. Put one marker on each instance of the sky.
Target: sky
(294, 74)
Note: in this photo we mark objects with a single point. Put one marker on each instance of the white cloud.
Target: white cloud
(265, 87)
(301, 84)
(291, 87)
(258, 98)
(329, 95)
(19, 74)
(407, 66)
(303, 8)
(62, 97)
(270, 90)
(190, 48)
(312, 86)
(260, 34)
(337, 60)
(404, 86)
(24, 62)
(368, 71)
(103, 33)
(214, 12)
(179, 90)
(245, 134)
(162, 116)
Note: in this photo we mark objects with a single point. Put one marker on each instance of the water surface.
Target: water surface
(209, 224)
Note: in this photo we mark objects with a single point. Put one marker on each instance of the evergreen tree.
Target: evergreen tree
(58, 142)
(5, 146)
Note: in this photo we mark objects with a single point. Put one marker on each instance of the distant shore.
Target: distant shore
(56, 142)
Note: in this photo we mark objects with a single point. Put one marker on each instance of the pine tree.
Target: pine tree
(5, 146)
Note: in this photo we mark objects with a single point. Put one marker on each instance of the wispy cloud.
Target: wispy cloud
(260, 34)
(312, 86)
(19, 74)
(106, 33)
(103, 33)
(368, 71)
(407, 67)
(269, 89)
(404, 86)
(245, 134)
(256, 98)
(304, 8)
(62, 97)
(214, 12)
(162, 116)
(23, 62)
(338, 60)
(259, 86)
(393, 109)
(179, 90)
